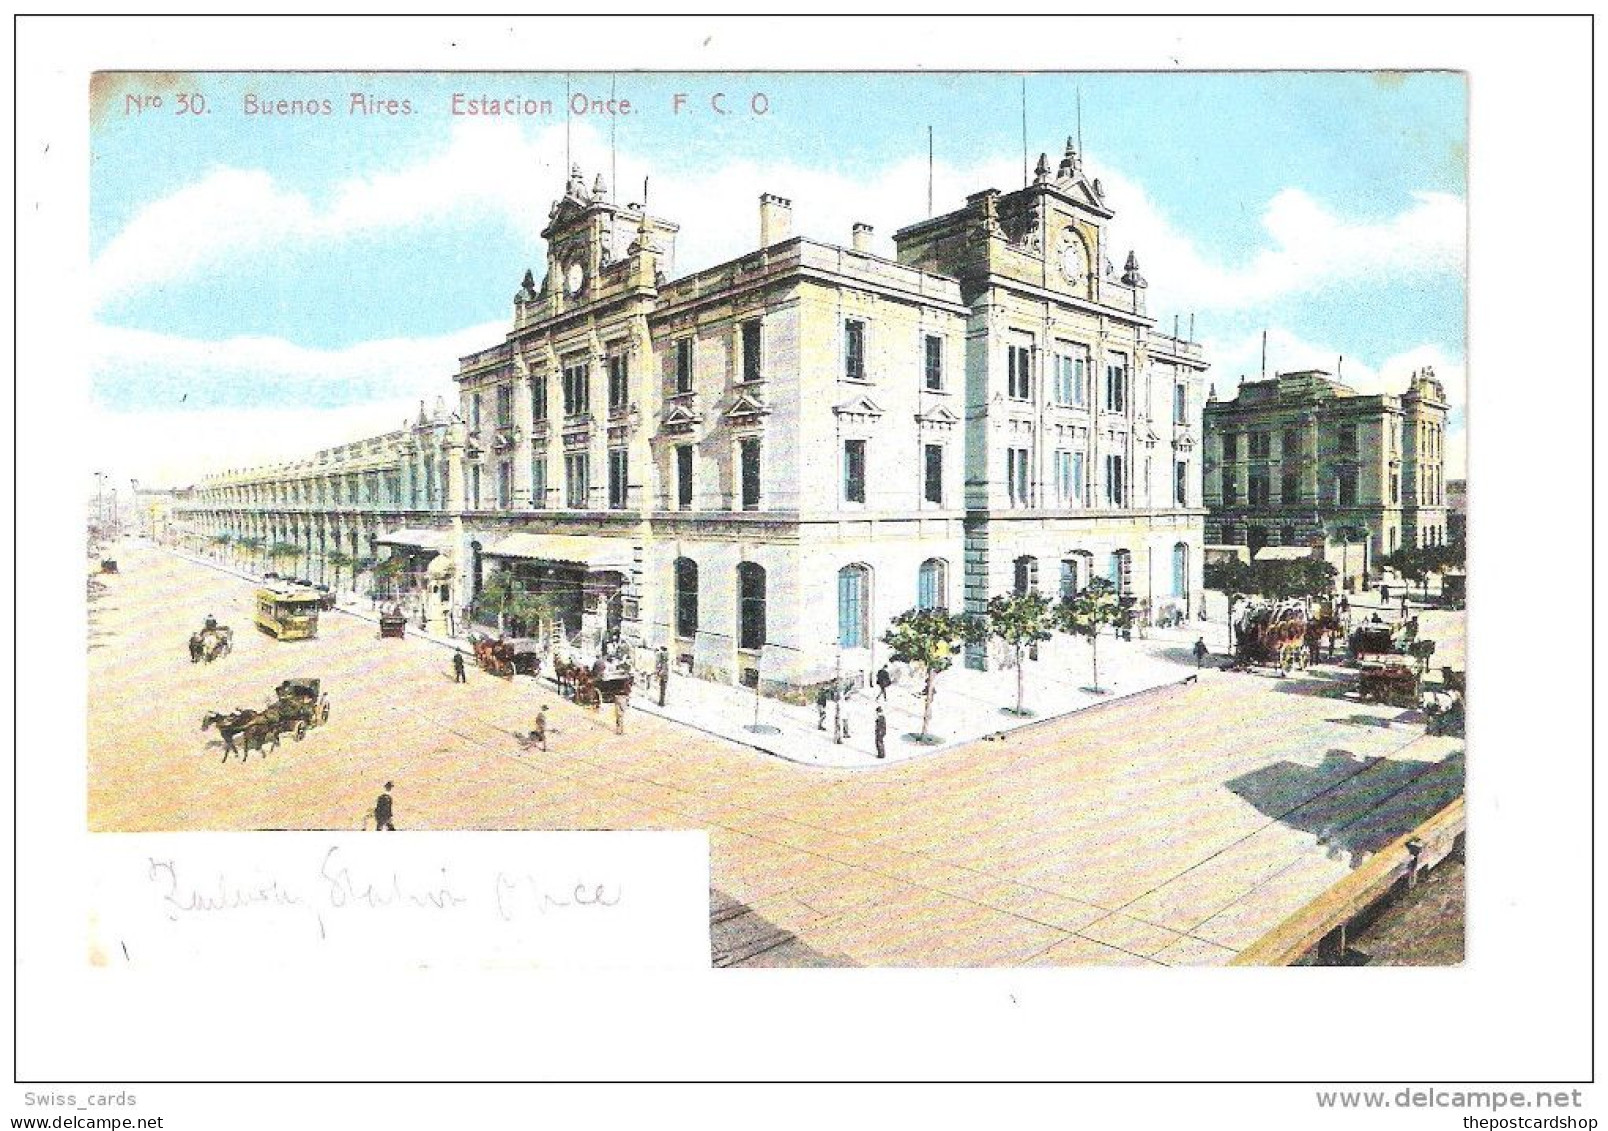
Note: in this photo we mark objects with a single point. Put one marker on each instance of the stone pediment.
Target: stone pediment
(681, 416)
(1184, 442)
(937, 417)
(860, 408)
(746, 405)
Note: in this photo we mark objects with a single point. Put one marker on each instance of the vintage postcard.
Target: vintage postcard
(1019, 519)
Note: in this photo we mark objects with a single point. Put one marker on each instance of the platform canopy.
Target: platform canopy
(597, 555)
(419, 537)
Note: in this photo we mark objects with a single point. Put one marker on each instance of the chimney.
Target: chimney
(775, 219)
(862, 237)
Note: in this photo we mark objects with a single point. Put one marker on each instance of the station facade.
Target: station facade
(759, 464)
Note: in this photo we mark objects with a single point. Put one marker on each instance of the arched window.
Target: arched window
(854, 606)
(686, 597)
(1026, 574)
(932, 584)
(1180, 564)
(750, 606)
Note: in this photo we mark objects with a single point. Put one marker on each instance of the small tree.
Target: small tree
(1414, 564)
(223, 541)
(339, 560)
(503, 597)
(284, 552)
(387, 571)
(931, 637)
(1084, 614)
(251, 546)
(1020, 620)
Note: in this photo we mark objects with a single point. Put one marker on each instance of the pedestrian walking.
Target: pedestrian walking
(821, 700)
(884, 681)
(1404, 604)
(619, 713)
(1200, 651)
(458, 675)
(880, 732)
(538, 733)
(382, 811)
(661, 670)
(1384, 594)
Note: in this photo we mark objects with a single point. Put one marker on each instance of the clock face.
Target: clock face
(1074, 264)
(574, 277)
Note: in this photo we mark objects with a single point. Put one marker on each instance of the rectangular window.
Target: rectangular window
(684, 476)
(748, 457)
(1016, 475)
(751, 355)
(577, 472)
(1230, 447)
(1258, 487)
(1291, 447)
(619, 478)
(1395, 486)
(933, 359)
(1348, 439)
(538, 482)
(505, 485)
(1115, 494)
(1348, 487)
(686, 598)
(684, 365)
(474, 487)
(1261, 445)
(854, 350)
(1066, 380)
(1019, 372)
(1230, 489)
(1116, 390)
(933, 473)
(1180, 403)
(1290, 489)
(538, 397)
(619, 383)
(1080, 494)
(854, 471)
(750, 607)
(474, 412)
(1181, 483)
(505, 406)
(851, 607)
(577, 390)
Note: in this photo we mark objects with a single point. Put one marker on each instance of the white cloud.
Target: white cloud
(137, 369)
(497, 168)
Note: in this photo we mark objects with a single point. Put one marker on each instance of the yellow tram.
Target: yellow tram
(288, 614)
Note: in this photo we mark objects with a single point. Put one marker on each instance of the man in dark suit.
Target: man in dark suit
(881, 733)
(382, 811)
(457, 668)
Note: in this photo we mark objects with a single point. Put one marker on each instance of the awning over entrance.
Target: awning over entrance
(596, 554)
(419, 537)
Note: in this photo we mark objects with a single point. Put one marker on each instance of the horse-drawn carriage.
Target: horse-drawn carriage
(1375, 637)
(494, 655)
(1390, 682)
(1270, 635)
(297, 707)
(108, 565)
(213, 642)
(592, 684)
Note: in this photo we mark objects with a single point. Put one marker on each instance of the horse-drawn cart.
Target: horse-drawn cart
(1392, 683)
(298, 706)
(393, 626)
(213, 642)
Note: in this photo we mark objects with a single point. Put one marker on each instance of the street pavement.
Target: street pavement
(1174, 827)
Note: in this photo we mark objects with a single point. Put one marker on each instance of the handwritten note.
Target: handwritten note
(573, 900)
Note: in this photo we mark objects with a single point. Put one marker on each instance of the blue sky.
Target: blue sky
(333, 266)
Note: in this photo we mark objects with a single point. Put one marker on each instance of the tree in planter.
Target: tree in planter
(1021, 620)
(223, 541)
(252, 547)
(339, 560)
(284, 552)
(503, 597)
(931, 637)
(1084, 614)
